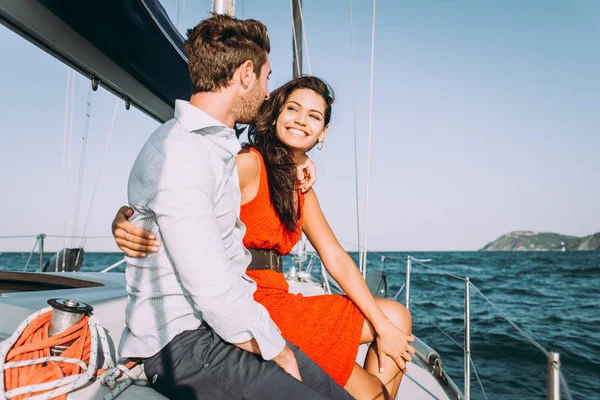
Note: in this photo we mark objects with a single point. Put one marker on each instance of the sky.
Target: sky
(485, 120)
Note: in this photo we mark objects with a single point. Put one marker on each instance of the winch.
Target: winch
(65, 314)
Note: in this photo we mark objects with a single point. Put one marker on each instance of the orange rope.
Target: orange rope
(35, 343)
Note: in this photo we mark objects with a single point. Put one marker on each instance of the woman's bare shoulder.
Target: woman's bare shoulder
(248, 165)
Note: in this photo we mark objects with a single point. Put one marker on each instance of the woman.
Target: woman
(275, 212)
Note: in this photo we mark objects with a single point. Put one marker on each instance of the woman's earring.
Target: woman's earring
(320, 145)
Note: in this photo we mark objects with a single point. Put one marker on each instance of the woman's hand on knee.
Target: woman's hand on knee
(393, 343)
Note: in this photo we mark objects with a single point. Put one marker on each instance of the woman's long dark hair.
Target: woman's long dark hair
(279, 161)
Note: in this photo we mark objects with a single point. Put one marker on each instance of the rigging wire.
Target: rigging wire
(431, 321)
(31, 254)
(304, 38)
(513, 324)
(298, 66)
(180, 13)
(18, 236)
(71, 100)
(564, 385)
(64, 148)
(80, 237)
(310, 73)
(479, 380)
(99, 174)
(354, 126)
(329, 189)
(364, 256)
(84, 140)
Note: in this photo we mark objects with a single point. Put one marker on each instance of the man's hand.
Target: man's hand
(133, 240)
(306, 174)
(286, 359)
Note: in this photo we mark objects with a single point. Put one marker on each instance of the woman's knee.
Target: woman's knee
(363, 385)
(397, 313)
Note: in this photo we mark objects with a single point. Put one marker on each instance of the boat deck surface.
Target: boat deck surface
(109, 307)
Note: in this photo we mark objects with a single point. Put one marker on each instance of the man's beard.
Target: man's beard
(246, 108)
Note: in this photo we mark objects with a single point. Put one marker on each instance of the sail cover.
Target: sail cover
(131, 46)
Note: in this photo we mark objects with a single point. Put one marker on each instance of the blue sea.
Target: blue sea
(554, 297)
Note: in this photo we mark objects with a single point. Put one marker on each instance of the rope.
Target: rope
(18, 236)
(526, 336)
(354, 127)
(99, 174)
(364, 259)
(28, 370)
(88, 115)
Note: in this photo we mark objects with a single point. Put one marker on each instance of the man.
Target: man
(191, 315)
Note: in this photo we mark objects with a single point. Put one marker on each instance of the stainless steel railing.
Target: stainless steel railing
(554, 376)
(39, 245)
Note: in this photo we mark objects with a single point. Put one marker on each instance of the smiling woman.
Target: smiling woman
(296, 116)
(301, 121)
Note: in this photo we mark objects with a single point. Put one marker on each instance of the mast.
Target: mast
(223, 7)
(297, 37)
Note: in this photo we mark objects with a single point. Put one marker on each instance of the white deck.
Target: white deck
(109, 307)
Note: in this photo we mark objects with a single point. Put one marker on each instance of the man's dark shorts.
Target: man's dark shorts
(199, 364)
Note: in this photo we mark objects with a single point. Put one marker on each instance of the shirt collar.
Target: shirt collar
(197, 121)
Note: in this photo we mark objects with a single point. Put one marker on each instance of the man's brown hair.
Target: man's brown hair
(217, 46)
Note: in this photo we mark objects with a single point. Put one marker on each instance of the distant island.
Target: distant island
(543, 241)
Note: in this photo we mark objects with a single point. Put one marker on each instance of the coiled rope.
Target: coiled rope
(28, 370)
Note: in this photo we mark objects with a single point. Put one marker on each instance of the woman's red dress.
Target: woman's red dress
(327, 328)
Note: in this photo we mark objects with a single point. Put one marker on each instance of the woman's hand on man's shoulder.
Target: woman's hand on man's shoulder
(306, 173)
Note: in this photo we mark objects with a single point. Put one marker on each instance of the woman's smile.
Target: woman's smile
(301, 120)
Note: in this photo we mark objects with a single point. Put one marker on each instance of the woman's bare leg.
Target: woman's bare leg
(400, 317)
(365, 386)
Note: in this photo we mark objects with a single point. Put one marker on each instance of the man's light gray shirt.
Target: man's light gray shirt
(184, 187)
